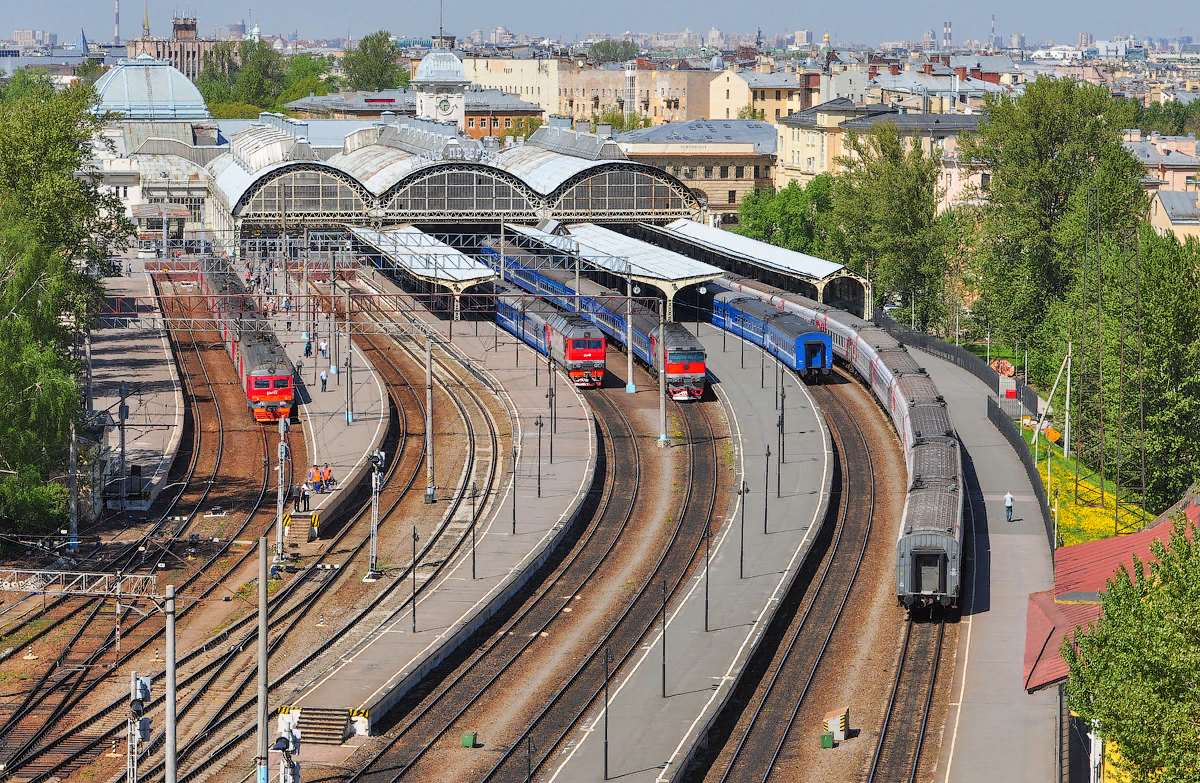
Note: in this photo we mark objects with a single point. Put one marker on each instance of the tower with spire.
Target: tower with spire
(146, 23)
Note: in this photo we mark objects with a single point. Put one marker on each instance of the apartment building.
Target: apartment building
(774, 95)
(581, 91)
(723, 159)
(1171, 162)
(813, 142)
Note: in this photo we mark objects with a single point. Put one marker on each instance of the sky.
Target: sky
(865, 21)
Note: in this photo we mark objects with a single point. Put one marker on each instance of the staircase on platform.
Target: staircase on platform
(323, 726)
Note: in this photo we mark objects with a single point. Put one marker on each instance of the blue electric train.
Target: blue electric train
(787, 337)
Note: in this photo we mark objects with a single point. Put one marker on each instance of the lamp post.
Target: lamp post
(539, 424)
(514, 491)
(766, 487)
(474, 490)
(607, 664)
(664, 638)
(742, 493)
(707, 568)
(414, 579)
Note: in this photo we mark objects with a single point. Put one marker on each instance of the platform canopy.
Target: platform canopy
(425, 258)
(621, 255)
(779, 258)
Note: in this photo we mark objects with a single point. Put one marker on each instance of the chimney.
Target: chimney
(872, 72)
(976, 73)
(894, 69)
(927, 69)
(961, 71)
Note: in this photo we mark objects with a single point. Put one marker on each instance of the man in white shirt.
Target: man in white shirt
(325, 379)
(1008, 501)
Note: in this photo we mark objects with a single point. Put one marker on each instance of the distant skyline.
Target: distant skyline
(866, 22)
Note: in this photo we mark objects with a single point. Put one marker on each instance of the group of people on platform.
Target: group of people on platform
(318, 480)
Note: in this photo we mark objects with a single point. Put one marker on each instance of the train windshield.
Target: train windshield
(263, 383)
(689, 357)
(282, 383)
(587, 345)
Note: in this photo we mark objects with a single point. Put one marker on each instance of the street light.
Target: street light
(766, 487)
(539, 424)
(742, 493)
(474, 489)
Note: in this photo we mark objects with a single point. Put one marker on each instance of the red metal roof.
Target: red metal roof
(1081, 574)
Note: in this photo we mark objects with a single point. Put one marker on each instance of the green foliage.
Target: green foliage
(1043, 150)
(885, 203)
(525, 126)
(748, 112)
(27, 83)
(307, 67)
(234, 111)
(249, 72)
(1134, 672)
(1169, 119)
(798, 218)
(88, 72)
(301, 89)
(53, 219)
(619, 121)
(610, 51)
(372, 65)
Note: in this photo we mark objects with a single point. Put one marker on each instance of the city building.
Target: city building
(804, 37)
(35, 39)
(1176, 212)
(723, 159)
(184, 49)
(146, 89)
(771, 96)
(812, 142)
(1171, 162)
(1085, 40)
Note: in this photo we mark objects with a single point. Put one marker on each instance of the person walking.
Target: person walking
(306, 492)
(297, 496)
(1008, 501)
(324, 348)
(314, 475)
(327, 477)
(308, 349)
(324, 379)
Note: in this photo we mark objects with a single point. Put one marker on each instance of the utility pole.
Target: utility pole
(474, 490)
(539, 424)
(766, 487)
(514, 491)
(607, 674)
(742, 540)
(662, 377)
(1067, 417)
(261, 760)
(414, 579)
(707, 567)
(122, 417)
(377, 461)
(349, 362)
(73, 467)
(430, 476)
(282, 450)
(170, 698)
(630, 386)
(664, 638)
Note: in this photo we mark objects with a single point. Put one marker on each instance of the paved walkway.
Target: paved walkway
(377, 673)
(995, 731)
(133, 348)
(652, 738)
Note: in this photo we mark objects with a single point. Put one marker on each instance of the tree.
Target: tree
(748, 112)
(525, 126)
(234, 111)
(218, 72)
(1043, 150)
(88, 72)
(885, 204)
(610, 51)
(372, 64)
(797, 217)
(1135, 671)
(619, 120)
(306, 67)
(249, 72)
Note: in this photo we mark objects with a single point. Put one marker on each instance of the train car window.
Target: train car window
(264, 383)
(282, 383)
(595, 345)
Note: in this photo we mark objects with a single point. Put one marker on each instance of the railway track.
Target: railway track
(763, 736)
(539, 742)
(214, 745)
(611, 507)
(36, 756)
(897, 754)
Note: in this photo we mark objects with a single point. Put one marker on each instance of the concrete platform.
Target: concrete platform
(330, 437)
(652, 738)
(371, 678)
(995, 731)
(133, 347)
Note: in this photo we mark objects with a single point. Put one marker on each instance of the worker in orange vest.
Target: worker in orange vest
(314, 476)
(327, 476)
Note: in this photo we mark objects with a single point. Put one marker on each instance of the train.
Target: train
(263, 368)
(929, 548)
(787, 337)
(686, 375)
(570, 340)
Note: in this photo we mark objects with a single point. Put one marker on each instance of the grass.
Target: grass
(1076, 523)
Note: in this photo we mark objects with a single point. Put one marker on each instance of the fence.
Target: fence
(1010, 432)
(1026, 402)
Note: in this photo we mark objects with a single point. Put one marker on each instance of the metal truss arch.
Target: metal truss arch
(623, 191)
(461, 190)
(293, 201)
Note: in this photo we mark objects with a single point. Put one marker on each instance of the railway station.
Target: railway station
(575, 604)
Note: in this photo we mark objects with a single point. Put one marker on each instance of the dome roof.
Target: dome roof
(441, 66)
(147, 89)
(717, 63)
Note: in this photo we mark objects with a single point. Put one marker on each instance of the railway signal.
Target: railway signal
(138, 724)
(289, 768)
(378, 459)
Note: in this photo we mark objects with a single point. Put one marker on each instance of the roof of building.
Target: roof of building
(136, 133)
(915, 81)
(440, 66)
(1150, 154)
(1081, 575)
(147, 89)
(768, 81)
(760, 133)
(986, 63)
(761, 253)
(916, 121)
(1180, 207)
(424, 256)
(404, 101)
(321, 132)
(610, 250)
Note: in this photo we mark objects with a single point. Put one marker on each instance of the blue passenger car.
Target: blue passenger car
(794, 342)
